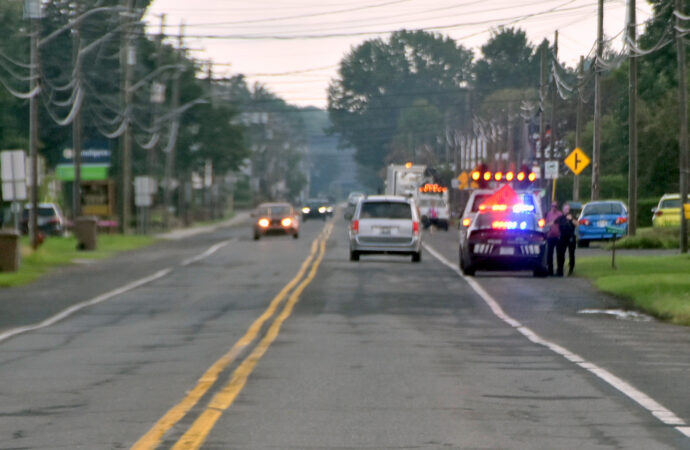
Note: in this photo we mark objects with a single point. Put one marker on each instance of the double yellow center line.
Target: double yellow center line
(195, 436)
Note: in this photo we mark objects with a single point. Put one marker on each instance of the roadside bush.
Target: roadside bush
(650, 238)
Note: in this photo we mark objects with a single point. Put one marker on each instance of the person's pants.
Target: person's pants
(571, 255)
(551, 244)
(560, 257)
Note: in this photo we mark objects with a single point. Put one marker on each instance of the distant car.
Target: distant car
(667, 212)
(50, 219)
(506, 233)
(317, 209)
(596, 216)
(275, 218)
(352, 201)
(385, 224)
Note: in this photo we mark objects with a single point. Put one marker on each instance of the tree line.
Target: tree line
(420, 96)
(222, 122)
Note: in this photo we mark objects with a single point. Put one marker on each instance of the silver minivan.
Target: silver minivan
(386, 224)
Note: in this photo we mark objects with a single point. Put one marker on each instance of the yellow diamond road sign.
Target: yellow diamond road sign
(577, 160)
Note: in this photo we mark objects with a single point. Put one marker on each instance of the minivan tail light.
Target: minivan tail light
(355, 226)
(415, 227)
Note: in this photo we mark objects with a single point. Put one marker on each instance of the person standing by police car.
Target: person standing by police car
(553, 235)
(567, 241)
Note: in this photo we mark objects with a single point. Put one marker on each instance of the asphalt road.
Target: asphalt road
(227, 343)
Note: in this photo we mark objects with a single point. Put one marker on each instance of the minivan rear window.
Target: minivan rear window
(385, 210)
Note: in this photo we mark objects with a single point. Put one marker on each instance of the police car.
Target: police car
(506, 233)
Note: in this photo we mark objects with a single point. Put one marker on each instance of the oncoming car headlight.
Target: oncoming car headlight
(329, 209)
(306, 210)
(286, 222)
(264, 222)
(322, 209)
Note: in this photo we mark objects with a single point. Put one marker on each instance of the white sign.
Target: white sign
(551, 170)
(144, 190)
(13, 175)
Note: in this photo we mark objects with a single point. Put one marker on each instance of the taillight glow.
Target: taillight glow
(264, 222)
(415, 227)
(621, 220)
(355, 226)
(466, 222)
(286, 222)
(584, 222)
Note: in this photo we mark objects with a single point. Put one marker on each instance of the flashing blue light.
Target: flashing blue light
(523, 208)
(523, 225)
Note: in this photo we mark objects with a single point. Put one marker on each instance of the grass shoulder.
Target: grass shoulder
(656, 284)
(61, 251)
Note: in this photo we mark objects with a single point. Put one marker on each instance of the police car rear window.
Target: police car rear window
(507, 221)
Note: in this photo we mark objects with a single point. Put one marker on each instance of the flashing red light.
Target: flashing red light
(355, 226)
(498, 176)
(532, 176)
(476, 175)
(510, 176)
(521, 176)
(621, 220)
(487, 176)
(415, 227)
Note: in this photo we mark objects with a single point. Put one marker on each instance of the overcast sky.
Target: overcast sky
(295, 46)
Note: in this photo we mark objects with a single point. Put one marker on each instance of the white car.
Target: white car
(386, 224)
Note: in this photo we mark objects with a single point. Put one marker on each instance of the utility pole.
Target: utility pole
(76, 124)
(554, 99)
(127, 61)
(578, 123)
(34, 16)
(632, 122)
(170, 157)
(596, 147)
(542, 113)
(683, 136)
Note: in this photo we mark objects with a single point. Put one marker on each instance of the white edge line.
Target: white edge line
(108, 295)
(79, 306)
(207, 253)
(656, 409)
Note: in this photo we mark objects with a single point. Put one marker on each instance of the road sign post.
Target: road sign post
(616, 232)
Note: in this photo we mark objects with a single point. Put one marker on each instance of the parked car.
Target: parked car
(596, 216)
(275, 218)
(385, 224)
(667, 212)
(317, 209)
(50, 219)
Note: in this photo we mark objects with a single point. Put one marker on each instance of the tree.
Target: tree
(379, 79)
(508, 61)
